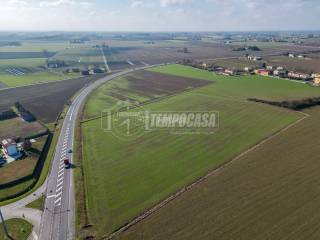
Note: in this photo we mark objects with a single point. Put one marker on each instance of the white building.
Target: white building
(9, 147)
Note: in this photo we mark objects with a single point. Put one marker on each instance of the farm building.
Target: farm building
(10, 149)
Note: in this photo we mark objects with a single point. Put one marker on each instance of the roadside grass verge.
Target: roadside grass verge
(38, 204)
(17, 228)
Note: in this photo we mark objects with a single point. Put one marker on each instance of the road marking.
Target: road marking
(71, 114)
(59, 194)
(59, 189)
(61, 170)
(52, 196)
(59, 184)
(60, 179)
(130, 63)
(61, 174)
(58, 200)
(35, 236)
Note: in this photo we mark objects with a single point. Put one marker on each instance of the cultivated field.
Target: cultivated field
(270, 193)
(20, 72)
(244, 87)
(44, 101)
(123, 178)
(17, 127)
(138, 88)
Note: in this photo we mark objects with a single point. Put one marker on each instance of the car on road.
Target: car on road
(67, 163)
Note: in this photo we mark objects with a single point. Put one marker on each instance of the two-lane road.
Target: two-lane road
(58, 219)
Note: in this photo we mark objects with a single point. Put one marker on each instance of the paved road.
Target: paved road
(58, 219)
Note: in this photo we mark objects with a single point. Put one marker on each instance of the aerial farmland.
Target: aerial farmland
(158, 170)
(159, 135)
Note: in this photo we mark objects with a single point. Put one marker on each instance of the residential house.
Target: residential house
(248, 69)
(299, 76)
(316, 79)
(254, 58)
(10, 149)
(263, 72)
(269, 68)
(230, 72)
(280, 73)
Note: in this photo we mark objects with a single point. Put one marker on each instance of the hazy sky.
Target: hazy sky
(159, 15)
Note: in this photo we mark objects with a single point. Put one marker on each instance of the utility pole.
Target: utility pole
(4, 226)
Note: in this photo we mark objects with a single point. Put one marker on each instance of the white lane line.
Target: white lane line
(52, 196)
(59, 184)
(71, 114)
(59, 189)
(59, 194)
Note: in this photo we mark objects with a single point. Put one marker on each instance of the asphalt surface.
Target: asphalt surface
(58, 219)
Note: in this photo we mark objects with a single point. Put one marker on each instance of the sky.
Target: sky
(159, 15)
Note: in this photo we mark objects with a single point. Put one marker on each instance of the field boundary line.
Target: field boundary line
(187, 188)
(151, 101)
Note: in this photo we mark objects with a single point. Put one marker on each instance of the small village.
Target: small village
(263, 70)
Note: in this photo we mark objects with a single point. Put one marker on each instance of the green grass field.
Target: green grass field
(36, 46)
(34, 69)
(18, 229)
(38, 204)
(270, 193)
(243, 87)
(125, 177)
